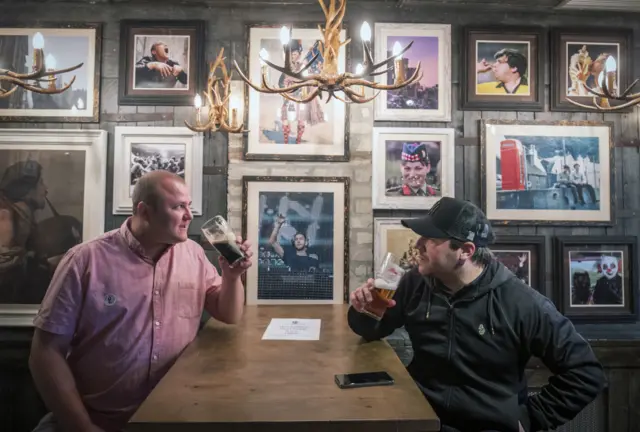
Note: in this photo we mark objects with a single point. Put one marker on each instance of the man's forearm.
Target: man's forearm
(57, 386)
(230, 303)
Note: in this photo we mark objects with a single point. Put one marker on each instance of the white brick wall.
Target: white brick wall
(358, 169)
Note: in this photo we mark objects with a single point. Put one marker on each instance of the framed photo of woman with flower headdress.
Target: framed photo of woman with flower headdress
(578, 62)
(412, 167)
(282, 129)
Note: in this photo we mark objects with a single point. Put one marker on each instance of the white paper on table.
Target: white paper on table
(292, 329)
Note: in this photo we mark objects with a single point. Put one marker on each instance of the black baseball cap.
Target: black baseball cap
(453, 219)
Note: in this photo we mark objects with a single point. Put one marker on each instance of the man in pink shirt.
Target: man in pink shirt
(121, 308)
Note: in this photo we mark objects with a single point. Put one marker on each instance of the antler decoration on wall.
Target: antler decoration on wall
(42, 71)
(329, 80)
(217, 102)
(607, 81)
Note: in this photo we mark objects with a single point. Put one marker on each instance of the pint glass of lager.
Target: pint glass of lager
(219, 234)
(385, 285)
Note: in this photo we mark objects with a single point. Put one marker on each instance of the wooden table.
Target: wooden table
(229, 379)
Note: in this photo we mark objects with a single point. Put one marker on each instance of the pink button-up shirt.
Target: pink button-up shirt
(130, 317)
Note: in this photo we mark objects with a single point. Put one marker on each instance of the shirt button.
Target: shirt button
(156, 292)
(157, 323)
(155, 356)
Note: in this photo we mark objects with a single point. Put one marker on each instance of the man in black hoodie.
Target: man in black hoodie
(474, 326)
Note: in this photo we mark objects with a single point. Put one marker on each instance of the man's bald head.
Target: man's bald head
(150, 187)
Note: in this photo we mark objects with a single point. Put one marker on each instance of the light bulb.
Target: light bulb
(359, 69)
(50, 62)
(80, 104)
(38, 41)
(365, 32)
(397, 49)
(284, 35)
(611, 64)
(197, 101)
(264, 55)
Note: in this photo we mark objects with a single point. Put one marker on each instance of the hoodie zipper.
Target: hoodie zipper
(451, 325)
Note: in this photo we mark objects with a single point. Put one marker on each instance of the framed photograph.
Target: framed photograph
(412, 167)
(280, 129)
(428, 99)
(548, 173)
(64, 46)
(299, 229)
(139, 150)
(578, 58)
(52, 197)
(503, 69)
(597, 278)
(391, 236)
(525, 257)
(162, 62)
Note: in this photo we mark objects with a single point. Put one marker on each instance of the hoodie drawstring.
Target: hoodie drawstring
(490, 301)
(429, 303)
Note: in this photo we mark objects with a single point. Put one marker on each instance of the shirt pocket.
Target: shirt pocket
(189, 300)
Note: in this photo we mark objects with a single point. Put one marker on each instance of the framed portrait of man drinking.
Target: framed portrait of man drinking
(298, 230)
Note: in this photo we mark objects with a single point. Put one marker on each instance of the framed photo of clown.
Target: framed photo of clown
(596, 278)
(282, 129)
(412, 167)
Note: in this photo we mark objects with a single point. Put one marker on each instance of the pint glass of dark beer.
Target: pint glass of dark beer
(222, 238)
(385, 286)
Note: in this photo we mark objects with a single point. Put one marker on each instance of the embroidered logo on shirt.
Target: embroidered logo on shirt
(110, 299)
(481, 329)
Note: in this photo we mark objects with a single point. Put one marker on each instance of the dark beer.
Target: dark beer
(230, 251)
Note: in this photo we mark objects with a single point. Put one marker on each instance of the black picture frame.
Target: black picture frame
(340, 207)
(194, 29)
(562, 199)
(536, 36)
(537, 265)
(558, 39)
(576, 305)
(247, 153)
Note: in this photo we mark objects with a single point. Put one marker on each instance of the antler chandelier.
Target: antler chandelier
(43, 70)
(329, 80)
(607, 83)
(216, 102)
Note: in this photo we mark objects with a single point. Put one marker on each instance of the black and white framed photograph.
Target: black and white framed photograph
(140, 149)
(52, 197)
(548, 173)
(63, 46)
(597, 278)
(428, 99)
(162, 62)
(412, 167)
(299, 231)
(281, 129)
(524, 256)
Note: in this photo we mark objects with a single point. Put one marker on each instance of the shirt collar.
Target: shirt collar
(130, 239)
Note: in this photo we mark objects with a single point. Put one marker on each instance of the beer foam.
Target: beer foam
(383, 284)
(231, 237)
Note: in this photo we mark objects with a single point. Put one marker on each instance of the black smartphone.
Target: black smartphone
(365, 379)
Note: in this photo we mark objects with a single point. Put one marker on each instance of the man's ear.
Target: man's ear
(467, 249)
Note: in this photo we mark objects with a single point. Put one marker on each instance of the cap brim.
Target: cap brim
(424, 227)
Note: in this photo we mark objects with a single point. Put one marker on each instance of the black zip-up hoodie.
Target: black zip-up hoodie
(471, 349)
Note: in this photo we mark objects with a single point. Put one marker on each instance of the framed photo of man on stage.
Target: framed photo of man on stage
(298, 228)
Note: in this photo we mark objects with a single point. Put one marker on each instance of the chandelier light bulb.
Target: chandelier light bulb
(611, 64)
(359, 69)
(397, 49)
(50, 62)
(38, 41)
(284, 35)
(197, 101)
(365, 32)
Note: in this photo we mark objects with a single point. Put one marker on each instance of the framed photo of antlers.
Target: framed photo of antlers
(597, 278)
(577, 62)
(391, 236)
(280, 128)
